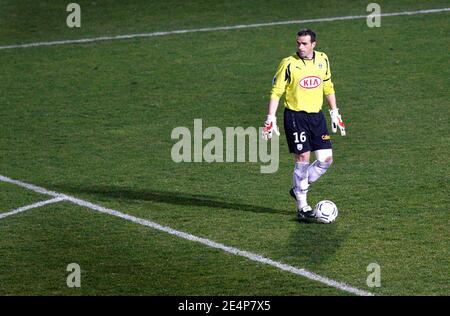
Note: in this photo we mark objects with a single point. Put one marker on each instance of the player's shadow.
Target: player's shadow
(174, 198)
(313, 244)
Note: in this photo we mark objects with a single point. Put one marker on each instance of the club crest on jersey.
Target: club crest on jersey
(310, 82)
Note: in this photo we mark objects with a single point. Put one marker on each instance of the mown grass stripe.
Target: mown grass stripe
(213, 29)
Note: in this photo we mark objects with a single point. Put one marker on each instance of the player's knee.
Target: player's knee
(329, 160)
(304, 157)
(325, 156)
(326, 163)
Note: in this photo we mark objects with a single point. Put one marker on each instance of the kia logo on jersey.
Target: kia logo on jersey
(310, 82)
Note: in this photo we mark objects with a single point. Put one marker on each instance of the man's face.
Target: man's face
(305, 47)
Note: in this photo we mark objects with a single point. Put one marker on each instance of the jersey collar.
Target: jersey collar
(303, 59)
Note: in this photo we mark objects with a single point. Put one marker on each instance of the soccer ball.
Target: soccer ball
(326, 212)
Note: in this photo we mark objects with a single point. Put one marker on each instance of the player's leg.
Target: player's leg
(300, 183)
(321, 145)
(324, 159)
(298, 142)
(300, 187)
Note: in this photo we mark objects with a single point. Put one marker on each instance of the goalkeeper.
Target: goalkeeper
(305, 77)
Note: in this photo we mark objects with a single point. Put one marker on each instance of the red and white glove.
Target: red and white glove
(336, 121)
(270, 126)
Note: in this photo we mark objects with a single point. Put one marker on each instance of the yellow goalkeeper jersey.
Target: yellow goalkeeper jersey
(305, 81)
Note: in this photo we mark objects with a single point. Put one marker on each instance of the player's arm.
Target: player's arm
(272, 106)
(331, 100)
(330, 95)
(281, 79)
(336, 119)
(270, 125)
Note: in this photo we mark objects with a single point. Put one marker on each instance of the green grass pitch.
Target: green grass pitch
(94, 121)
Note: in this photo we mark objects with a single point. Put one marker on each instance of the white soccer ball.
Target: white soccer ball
(326, 212)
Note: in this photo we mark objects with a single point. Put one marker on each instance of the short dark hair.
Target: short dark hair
(304, 32)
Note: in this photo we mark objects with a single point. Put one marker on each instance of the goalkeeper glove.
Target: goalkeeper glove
(270, 126)
(336, 121)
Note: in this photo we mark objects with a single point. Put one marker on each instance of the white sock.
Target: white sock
(300, 183)
(317, 169)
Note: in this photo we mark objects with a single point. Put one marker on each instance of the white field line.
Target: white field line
(212, 244)
(30, 187)
(213, 29)
(31, 206)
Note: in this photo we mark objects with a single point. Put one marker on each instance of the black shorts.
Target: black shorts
(306, 131)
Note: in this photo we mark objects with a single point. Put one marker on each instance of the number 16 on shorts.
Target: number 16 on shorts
(299, 139)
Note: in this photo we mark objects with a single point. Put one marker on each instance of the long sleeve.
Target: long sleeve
(328, 86)
(281, 79)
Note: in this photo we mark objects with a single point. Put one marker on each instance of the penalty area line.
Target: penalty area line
(207, 242)
(31, 206)
(214, 29)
